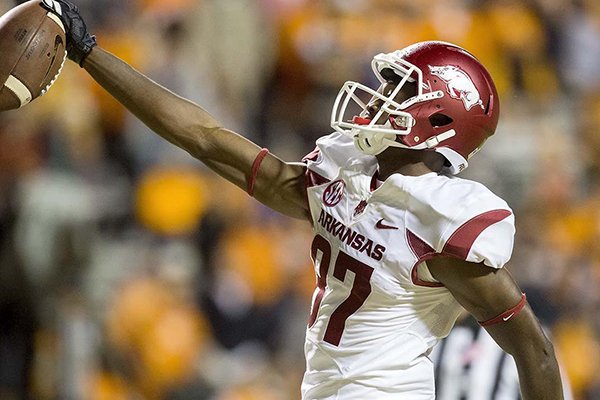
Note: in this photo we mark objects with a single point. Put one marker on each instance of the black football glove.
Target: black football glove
(79, 41)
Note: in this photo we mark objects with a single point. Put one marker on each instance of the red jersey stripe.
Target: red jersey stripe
(460, 242)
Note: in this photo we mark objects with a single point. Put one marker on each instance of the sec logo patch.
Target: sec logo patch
(334, 193)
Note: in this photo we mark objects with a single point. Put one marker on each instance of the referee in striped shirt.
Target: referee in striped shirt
(469, 365)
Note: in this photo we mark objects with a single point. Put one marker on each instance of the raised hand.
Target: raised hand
(79, 41)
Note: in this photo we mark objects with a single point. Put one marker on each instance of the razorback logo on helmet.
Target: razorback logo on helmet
(334, 193)
(460, 85)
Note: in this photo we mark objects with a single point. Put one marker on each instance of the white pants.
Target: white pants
(377, 379)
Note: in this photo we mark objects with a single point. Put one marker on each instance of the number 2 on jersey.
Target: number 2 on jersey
(361, 288)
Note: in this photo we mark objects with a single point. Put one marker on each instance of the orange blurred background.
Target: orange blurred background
(127, 270)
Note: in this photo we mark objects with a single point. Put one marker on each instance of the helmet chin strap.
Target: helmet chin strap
(374, 143)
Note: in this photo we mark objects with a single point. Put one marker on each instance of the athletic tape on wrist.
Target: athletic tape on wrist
(254, 171)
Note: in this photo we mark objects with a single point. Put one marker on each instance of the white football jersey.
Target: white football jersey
(377, 311)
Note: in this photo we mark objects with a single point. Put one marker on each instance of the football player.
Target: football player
(400, 244)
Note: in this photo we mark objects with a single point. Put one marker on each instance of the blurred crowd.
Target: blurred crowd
(130, 271)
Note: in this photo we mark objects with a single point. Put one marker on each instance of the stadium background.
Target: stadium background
(129, 271)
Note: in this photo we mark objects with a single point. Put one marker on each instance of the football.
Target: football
(32, 53)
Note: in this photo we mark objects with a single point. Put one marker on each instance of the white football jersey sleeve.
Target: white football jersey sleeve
(462, 219)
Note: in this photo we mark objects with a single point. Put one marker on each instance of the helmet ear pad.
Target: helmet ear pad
(430, 119)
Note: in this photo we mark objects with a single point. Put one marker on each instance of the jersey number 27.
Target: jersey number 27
(361, 288)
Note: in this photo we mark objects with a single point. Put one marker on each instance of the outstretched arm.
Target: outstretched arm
(275, 183)
(487, 294)
(278, 185)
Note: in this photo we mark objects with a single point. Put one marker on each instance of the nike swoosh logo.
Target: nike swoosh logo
(508, 317)
(381, 225)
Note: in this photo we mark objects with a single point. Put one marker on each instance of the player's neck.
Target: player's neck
(408, 162)
(416, 169)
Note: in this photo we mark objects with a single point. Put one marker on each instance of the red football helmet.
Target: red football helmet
(455, 108)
